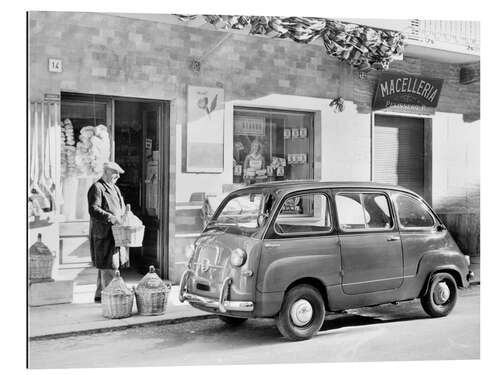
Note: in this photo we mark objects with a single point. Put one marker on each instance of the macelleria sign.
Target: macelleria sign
(407, 93)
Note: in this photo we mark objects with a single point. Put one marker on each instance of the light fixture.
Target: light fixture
(337, 104)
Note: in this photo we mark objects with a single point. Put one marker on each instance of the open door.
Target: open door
(137, 150)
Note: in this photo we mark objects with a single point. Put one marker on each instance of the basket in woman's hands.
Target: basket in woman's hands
(129, 231)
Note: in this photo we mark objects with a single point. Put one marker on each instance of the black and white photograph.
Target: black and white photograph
(222, 188)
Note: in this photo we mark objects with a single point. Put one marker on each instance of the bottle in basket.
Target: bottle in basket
(151, 294)
(117, 299)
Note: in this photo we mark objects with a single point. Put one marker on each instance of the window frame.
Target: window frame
(365, 230)
(272, 233)
(422, 203)
(270, 111)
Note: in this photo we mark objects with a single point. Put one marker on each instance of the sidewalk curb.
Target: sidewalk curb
(92, 331)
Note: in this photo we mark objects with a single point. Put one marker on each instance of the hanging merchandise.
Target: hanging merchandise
(38, 193)
(117, 299)
(361, 46)
(152, 201)
(151, 294)
(92, 150)
(68, 150)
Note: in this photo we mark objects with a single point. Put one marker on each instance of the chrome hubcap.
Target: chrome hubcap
(301, 312)
(441, 293)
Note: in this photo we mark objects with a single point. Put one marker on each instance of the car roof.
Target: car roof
(284, 187)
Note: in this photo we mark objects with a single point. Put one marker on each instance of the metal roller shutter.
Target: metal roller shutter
(399, 151)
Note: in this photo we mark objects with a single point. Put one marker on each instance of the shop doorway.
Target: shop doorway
(399, 152)
(137, 150)
(138, 140)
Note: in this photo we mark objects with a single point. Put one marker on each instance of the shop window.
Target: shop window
(85, 146)
(272, 145)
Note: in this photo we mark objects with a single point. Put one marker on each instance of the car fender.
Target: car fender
(283, 272)
(442, 260)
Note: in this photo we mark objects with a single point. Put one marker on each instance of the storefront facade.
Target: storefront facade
(272, 95)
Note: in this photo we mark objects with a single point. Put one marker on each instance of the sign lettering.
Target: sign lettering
(254, 126)
(401, 90)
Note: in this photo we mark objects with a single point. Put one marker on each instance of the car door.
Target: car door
(421, 232)
(301, 243)
(370, 245)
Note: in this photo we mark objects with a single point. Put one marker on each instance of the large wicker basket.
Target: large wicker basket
(41, 267)
(117, 299)
(41, 260)
(128, 236)
(151, 294)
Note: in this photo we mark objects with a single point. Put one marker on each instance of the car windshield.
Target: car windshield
(240, 214)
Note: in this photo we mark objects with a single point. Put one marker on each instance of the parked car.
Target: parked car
(294, 250)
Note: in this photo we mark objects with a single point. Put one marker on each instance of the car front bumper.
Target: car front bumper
(221, 304)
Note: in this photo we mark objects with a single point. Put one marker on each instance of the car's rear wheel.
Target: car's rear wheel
(232, 320)
(302, 313)
(441, 296)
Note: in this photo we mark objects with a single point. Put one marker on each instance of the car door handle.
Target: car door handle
(273, 245)
(393, 238)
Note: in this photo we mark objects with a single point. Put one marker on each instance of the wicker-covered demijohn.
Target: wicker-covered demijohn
(117, 299)
(41, 261)
(151, 294)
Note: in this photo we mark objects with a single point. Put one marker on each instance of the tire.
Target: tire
(302, 313)
(434, 301)
(232, 320)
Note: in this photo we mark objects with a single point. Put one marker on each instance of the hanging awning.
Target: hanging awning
(363, 47)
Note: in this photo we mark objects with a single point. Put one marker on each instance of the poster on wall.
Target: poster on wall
(205, 128)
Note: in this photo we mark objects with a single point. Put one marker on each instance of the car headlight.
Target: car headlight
(238, 257)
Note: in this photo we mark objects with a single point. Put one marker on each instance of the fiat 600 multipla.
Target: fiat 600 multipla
(296, 250)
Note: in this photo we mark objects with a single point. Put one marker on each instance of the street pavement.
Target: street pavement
(385, 333)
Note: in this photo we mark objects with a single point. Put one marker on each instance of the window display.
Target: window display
(85, 146)
(272, 145)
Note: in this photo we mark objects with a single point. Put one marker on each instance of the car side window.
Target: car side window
(412, 213)
(304, 213)
(363, 211)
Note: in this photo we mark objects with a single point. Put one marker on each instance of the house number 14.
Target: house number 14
(55, 65)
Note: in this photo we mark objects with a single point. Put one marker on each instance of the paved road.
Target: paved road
(383, 333)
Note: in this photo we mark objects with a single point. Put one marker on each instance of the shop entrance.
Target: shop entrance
(398, 152)
(130, 132)
(137, 150)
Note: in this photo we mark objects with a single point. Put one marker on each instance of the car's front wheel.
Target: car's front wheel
(302, 313)
(232, 320)
(441, 296)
